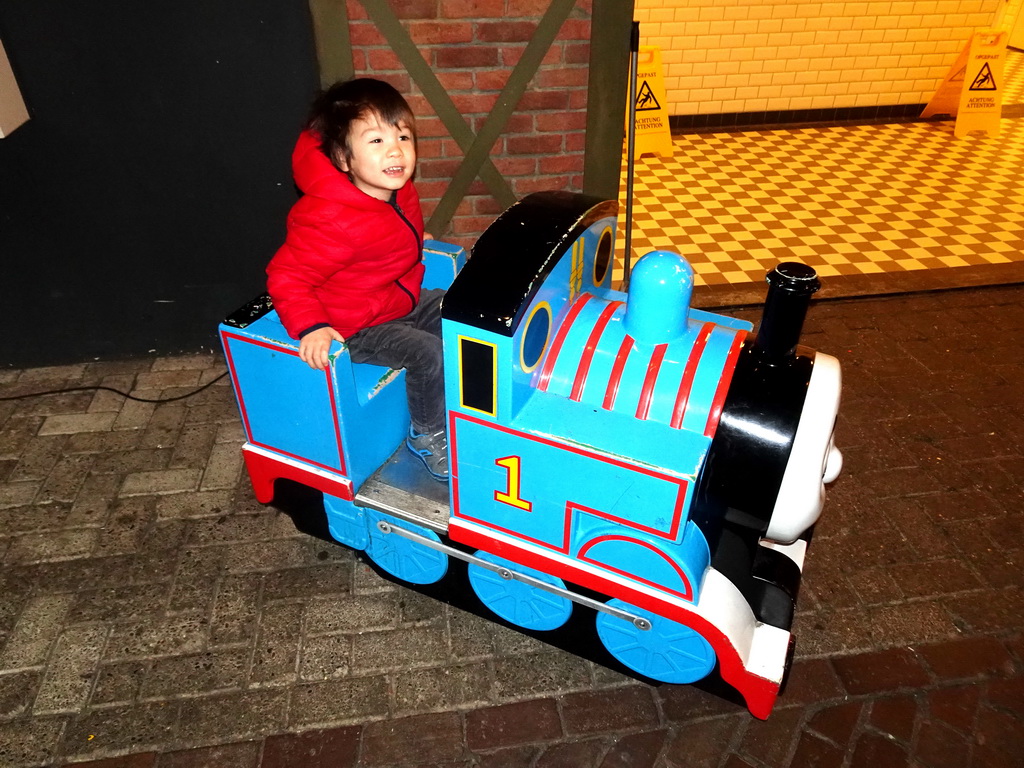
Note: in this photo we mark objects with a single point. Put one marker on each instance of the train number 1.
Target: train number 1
(512, 466)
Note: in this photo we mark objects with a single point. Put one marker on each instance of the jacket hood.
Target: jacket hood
(316, 175)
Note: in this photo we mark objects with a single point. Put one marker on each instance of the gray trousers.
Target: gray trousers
(412, 342)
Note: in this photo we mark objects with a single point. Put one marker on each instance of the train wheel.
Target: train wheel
(408, 560)
(668, 651)
(521, 604)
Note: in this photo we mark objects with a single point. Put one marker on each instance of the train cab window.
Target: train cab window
(477, 375)
(535, 337)
(603, 257)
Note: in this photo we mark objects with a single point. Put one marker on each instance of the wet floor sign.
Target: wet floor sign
(653, 135)
(971, 89)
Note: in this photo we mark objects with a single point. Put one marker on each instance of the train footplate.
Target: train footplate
(403, 489)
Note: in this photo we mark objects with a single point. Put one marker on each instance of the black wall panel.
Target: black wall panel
(142, 201)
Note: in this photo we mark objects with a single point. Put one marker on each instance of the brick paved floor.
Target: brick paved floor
(153, 615)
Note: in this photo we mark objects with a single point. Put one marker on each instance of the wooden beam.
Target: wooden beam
(333, 43)
(521, 75)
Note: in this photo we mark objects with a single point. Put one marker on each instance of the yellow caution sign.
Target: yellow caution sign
(971, 90)
(981, 102)
(653, 135)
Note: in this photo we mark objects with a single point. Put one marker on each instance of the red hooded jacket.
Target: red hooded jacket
(349, 260)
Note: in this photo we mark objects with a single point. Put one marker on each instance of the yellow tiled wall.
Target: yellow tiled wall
(765, 55)
(1011, 9)
(1013, 22)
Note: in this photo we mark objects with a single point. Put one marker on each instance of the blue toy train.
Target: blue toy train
(624, 467)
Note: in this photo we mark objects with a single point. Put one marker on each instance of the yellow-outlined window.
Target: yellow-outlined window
(603, 256)
(532, 346)
(478, 375)
(576, 268)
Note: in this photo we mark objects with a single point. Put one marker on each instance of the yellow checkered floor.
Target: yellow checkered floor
(850, 201)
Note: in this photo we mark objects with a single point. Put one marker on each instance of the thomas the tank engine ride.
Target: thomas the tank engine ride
(623, 465)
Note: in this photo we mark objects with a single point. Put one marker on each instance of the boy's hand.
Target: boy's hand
(315, 345)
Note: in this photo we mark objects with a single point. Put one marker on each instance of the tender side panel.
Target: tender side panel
(286, 406)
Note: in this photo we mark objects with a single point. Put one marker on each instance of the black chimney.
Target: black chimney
(790, 287)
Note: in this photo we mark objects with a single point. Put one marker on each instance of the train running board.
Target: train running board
(506, 573)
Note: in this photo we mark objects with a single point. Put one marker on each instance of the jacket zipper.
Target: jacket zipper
(419, 243)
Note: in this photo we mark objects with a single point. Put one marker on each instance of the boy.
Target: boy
(350, 269)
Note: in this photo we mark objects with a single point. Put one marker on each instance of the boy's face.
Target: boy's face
(383, 156)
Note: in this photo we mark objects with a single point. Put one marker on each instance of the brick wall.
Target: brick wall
(472, 46)
(764, 55)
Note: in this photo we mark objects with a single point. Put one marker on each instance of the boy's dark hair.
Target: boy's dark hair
(335, 108)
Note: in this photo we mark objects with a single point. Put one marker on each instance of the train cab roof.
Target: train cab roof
(515, 254)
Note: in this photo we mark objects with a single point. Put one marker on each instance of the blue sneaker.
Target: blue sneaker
(432, 450)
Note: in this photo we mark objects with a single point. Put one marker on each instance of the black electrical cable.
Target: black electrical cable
(117, 392)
